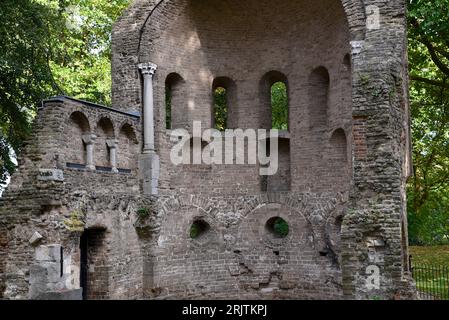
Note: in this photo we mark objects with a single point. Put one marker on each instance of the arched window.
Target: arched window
(275, 101)
(281, 181)
(168, 102)
(275, 115)
(128, 148)
(338, 164)
(198, 229)
(279, 106)
(319, 82)
(77, 128)
(220, 109)
(277, 227)
(224, 114)
(175, 102)
(105, 133)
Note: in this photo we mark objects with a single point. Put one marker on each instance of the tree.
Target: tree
(50, 47)
(429, 97)
(82, 47)
(25, 74)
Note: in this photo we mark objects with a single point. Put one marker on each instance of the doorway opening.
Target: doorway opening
(94, 269)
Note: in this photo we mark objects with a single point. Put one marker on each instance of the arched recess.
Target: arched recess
(272, 84)
(339, 112)
(338, 161)
(104, 133)
(274, 114)
(175, 102)
(128, 148)
(318, 94)
(78, 127)
(224, 110)
(254, 49)
(193, 151)
(347, 61)
(354, 10)
(281, 181)
(142, 19)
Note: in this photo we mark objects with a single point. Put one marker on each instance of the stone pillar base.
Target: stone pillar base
(150, 167)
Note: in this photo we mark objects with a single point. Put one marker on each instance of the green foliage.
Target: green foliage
(76, 222)
(431, 225)
(220, 109)
(198, 228)
(143, 213)
(279, 104)
(82, 47)
(428, 201)
(376, 298)
(281, 228)
(195, 231)
(50, 47)
(7, 166)
(432, 17)
(25, 75)
(431, 269)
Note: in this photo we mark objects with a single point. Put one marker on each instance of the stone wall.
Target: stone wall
(53, 198)
(239, 257)
(348, 123)
(343, 164)
(198, 43)
(225, 43)
(3, 256)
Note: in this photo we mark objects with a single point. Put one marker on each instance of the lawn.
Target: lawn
(438, 255)
(431, 271)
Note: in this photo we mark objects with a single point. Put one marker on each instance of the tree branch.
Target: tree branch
(443, 52)
(434, 55)
(430, 47)
(430, 81)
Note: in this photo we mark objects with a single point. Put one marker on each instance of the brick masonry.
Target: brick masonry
(343, 161)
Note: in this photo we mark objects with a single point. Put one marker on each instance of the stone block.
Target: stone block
(50, 175)
(150, 171)
(49, 253)
(35, 238)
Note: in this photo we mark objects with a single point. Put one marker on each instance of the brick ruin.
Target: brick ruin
(97, 204)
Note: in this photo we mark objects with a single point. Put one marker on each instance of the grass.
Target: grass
(431, 271)
(436, 255)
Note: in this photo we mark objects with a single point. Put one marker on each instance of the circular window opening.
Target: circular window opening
(198, 229)
(278, 227)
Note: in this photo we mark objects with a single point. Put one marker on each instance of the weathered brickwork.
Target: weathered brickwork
(343, 162)
(3, 257)
(240, 257)
(60, 210)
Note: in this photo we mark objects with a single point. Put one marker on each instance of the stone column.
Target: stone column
(149, 160)
(112, 145)
(148, 70)
(372, 246)
(89, 140)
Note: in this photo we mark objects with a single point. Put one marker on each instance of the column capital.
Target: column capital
(89, 138)
(147, 68)
(112, 143)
